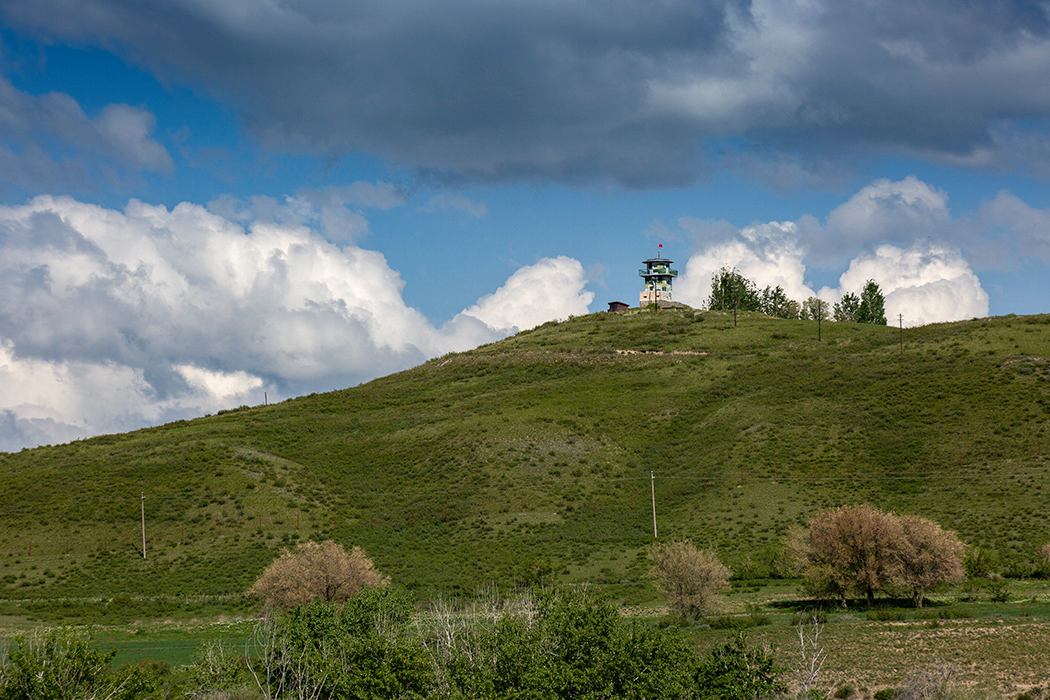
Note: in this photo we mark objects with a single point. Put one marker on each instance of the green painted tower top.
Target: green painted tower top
(658, 279)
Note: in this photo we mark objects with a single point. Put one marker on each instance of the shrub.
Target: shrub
(59, 663)
(313, 571)
(735, 670)
(691, 578)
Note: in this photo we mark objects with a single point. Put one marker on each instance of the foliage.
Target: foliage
(362, 649)
(313, 571)
(58, 664)
(853, 550)
(734, 671)
(930, 557)
(814, 308)
(872, 308)
(846, 309)
(689, 577)
(861, 550)
(730, 289)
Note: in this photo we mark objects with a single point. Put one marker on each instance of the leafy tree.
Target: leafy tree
(774, 302)
(814, 308)
(690, 577)
(729, 288)
(316, 571)
(846, 309)
(853, 550)
(930, 557)
(872, 308)
(734, 671)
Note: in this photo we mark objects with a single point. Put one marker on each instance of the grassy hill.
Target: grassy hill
(536, 452)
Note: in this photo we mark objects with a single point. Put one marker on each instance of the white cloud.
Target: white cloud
(553, 288)
(768, 254)
(925, 283)
(182, 311)
(925, 280)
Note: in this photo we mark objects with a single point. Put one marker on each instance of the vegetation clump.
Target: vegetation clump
(689, 577)
(862, 551)
(316, 571)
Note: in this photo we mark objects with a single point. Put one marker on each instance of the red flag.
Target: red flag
(659, 245)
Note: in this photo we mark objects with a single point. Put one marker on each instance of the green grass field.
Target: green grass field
(535, 452)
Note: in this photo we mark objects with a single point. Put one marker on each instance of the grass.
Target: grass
(536, 451)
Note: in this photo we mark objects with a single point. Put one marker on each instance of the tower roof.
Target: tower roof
(668, 261)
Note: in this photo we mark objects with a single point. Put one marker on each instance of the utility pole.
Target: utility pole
(820, 316)
(143, 503)
(900, 324)
(652, 486)
(266, 400)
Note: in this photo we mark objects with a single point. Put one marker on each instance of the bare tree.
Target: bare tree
(313, 571)
(853, 550)
(691, 578)
(930, 557)
(811, 653)
(282, 669)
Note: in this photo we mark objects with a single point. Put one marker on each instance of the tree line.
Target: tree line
(731, 290)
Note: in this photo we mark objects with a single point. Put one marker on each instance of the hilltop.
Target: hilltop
(533, 454)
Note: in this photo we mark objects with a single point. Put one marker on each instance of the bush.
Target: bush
(734, 671)
(59, 664)
(691, 578)
(360, 650)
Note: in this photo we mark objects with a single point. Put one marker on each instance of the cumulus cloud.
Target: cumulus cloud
(115, 319)
(892, 232)
(48, 140)
(552, 288)
(926, 283)
(768, 254)
(335, 211)
(583, 91)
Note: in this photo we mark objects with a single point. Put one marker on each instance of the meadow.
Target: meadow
(530, 459)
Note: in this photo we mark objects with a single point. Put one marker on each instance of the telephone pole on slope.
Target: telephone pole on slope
(900, 324)
(820, 316)
(652, 487)
(143, 510)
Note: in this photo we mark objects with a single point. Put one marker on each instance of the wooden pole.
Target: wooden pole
(900, 324)
(143, 508)
(652, 486)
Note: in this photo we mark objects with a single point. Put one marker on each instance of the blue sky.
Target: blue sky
(510, 162)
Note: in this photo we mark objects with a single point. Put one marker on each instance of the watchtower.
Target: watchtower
(658, 277)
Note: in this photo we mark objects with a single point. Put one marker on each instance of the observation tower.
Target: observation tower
(658, 277)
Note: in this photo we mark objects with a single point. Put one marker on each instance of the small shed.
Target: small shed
(617, 306)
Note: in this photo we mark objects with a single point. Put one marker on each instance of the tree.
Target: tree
(846, 309)
(853, 550)
(688, 576)
(930, 557)
(814, 308)
(730, 289)
(774, 302)
(872, 307)
(313, 571)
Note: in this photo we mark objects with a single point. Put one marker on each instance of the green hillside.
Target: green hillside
(536, 451)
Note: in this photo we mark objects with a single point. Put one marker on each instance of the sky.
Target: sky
(201, 202)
